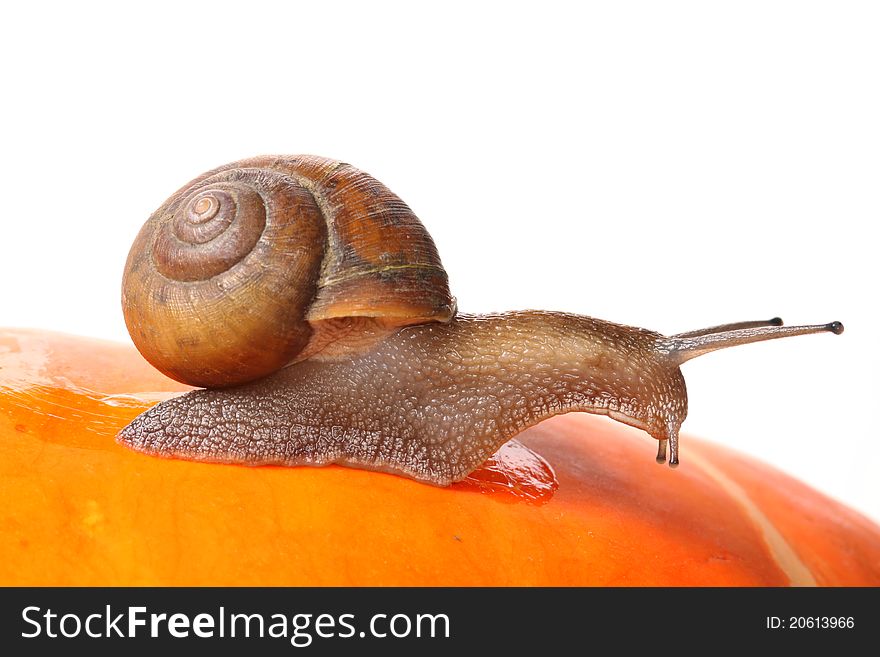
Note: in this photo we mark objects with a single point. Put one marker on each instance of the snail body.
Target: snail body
(366, 362)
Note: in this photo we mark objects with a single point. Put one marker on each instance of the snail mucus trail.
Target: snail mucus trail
(311, 304)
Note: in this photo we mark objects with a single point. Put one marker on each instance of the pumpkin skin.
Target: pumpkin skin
(79, 509)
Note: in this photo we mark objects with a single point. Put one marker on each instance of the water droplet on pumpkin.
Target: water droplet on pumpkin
(513, 471)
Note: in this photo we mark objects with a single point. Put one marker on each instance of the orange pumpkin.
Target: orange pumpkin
(577, 500)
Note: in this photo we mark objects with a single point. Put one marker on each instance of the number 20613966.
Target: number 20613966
(810, 623)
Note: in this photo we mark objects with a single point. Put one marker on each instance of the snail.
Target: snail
(310, 304)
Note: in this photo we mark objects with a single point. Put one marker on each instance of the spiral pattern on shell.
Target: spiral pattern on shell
(229, 220)
(232, 276)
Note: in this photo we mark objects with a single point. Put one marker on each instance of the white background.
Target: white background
(668, 165)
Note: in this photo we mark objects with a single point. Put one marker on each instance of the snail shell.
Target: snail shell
(262, 262)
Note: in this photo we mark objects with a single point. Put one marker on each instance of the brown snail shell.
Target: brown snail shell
(238, 272)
